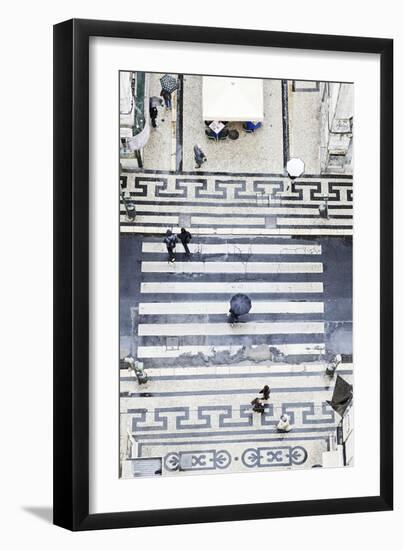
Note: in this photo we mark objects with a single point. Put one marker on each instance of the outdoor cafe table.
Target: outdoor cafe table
(216, 126)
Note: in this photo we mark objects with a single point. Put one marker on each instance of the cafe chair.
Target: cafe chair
(211, 135)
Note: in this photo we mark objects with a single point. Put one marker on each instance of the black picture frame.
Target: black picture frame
(71, 274)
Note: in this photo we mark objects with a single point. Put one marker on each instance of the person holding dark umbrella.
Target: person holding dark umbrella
(232, 317)
(266, 392)
(168, 85)
(167, 98)
(240, 304)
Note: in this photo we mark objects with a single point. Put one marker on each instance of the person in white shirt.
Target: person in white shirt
(284, 423)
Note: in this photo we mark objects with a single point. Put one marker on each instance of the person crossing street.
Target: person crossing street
(185, 237)
(170, 240)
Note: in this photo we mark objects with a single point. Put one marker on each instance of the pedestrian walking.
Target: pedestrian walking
(232, 316)
(154, 103)
(167, 96)
(240, 304)
(200, 157)
(257, 405)
(153, 116)
(185, 237)
(284, 424)
(266, 392)
(170, 240)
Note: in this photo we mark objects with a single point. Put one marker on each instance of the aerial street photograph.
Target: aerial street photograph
(235, 258)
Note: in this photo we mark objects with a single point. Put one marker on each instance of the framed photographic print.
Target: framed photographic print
(223, 274)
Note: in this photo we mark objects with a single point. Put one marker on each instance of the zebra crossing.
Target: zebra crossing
(194, 412)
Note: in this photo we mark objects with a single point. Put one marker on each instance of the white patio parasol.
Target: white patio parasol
(295, 167)
(229, 98)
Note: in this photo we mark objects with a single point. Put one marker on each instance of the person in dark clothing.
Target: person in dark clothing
(167, 98)
(185, 237)
(257, 406)
(153, 116)
(153, 110)
(170, 240)
(266, 392)
(200, 157)
(232, 317)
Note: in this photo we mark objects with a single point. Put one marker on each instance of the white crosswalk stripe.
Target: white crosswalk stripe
(211, 329)
(230, 287)
(168, 220)
(239, 248)
(231, 267)
(209, 308)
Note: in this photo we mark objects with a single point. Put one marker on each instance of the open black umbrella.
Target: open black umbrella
(342, 395)
(240, 304)
(168, 83)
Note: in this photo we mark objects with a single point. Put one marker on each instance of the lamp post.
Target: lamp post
(324, 208)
